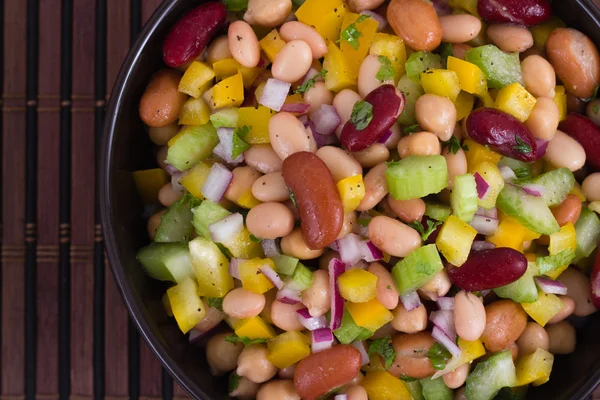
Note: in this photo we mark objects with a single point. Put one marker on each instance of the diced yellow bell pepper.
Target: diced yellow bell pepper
(195, 178)
(196, 79)
(534, 368)
(470, 351)
(392, 47)
(464, 104)
(194, 112)
(509, 234)
(560, 98)
(355, 56)
(242, 246)
(211, 268)
(272, 44)
(544, 308)
(258, 121)
(287, 349)
(339, 74)
(357, 285)
(167, 304)
(476, 154)
(325, 16)
(251, 277)
(186, 304)
(381, 385)
(148, 182)
(253, 328)
(564, 239)
(352, 191)
(229, 67)
(471, 78)
(576, 190)
(371, 315)
(247, 200)
(542, 31)
(441, 82)
(227, 93)
(491, 174)
(468, 5)
(515, 100)
(455, 240)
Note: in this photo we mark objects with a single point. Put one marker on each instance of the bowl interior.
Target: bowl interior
(126, 148)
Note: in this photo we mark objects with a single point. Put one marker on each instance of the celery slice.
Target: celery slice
(587, 229)
(464, 197)
(500, 68)
(490, 376)
(421, 61)
(166, 261)
(414, 388)
(557, 184)
(436, 389)
(302, 278)
(412, 91)
(554, 262)
(205, 214)
(521, 169)
(191, 145)
(285, 265)
(437, 211)
(530, 211)
(349, 332)
(418, 268)
(523, 290)
(416, 177)
(226, 118)
(176, 223)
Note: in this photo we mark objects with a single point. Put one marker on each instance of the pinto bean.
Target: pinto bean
(221, 355)
(254, 364)
(505, 322)
(162, 101)
(412, 321)
(568, 211)
(317, 297)
(411, 355)
(416, 22)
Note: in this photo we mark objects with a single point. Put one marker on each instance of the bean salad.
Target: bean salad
(375, 200)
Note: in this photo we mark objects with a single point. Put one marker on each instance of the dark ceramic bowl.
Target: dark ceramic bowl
(126, 148)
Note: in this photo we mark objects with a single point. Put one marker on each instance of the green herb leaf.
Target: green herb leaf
(254, 238)
(234, 381)
(445, 51)
(595, 108)
(363, 222)
(553, 262)
(362, 114)
(239, 144)
(224, 250)
(411, 129)
(386, 71)
(311, 82)
(193, 202)
(236, 5)
(522, 173)
(215, 302)
(453, 145)
(244, 340)
(522, 147)
(293, 198)
(425, 233)
(384, 348)
(351, 33)
(407, 378)
(438, 355)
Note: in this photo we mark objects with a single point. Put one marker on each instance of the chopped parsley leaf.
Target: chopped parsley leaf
(311, 82)
(384, 348)
(244, 340)
(238, 141)
(425, 233)
(234, 381)
(386, 71)
(438, 355)
(351, 33)
(521, 146)
(412, 129)
(362, 114)
(215, 302)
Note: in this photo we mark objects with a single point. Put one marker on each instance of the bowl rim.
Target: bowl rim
(105, 166)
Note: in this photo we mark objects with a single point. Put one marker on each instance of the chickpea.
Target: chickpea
(591, 187)
(246, 389)
(437, 287)
(294, 245)
(578, 287)
(287, 373)
(562, 338)
(254, 365)
(161, 135)
(469, 316)
(356, 392)
(326, 258)
(568, 308)
(268, 13)
(218, 50)
(284, 316)
(221, 355)
(419, 144)
(410, 321)
(154, 222)
(456, 378)
(167, 195)
(317, 297)
(280, 390)
(457, 164)
(533, 337)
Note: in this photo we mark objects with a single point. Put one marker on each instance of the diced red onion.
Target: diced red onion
(322, 339)
(342, 396)
(336, 268)
(541, 147)
(350, 248)
(361, 264)
(442, 7)
(333, 246)
(272, 276)
(371, 252)
(326, 119)
(321, 140)
(550, 286)
(295, 108)
(491, 213)
(482, 186)
(385, 136)
(309, 322)
(195, 335)
(171, 170)
(225, 229)
(263, 62)
(484, 225)
(274, 94)
(304, 119)
(217, 182)
(445, 303)
(310, 75)
(360, 346)
(234, 264)
(507, 173)
(482, 245)
(445, 341)
(533, 189)
(381, 21)
(288, 295)
(410, 300)
(175, 178)
(444, 319)
(485, 292)
(224, 149)
(270, 247)
(362, 230)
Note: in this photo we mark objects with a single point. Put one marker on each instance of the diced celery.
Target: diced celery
(205, 214)
(464, 197)
(421, 61)
(557, 184)
(491, 375)
(416, 269)
(500, 68)
(436, 389)
(523, 290)
(349, 332)
(166, 261)
(190, 145)
(302, 278)
(415, 389)
(530, 211)
(549, 264)
(226, 118)
(412, 91)
(587, 228)
(521, 169)
(176, 223)
(416, 177)
(437, 211)
(285, 265)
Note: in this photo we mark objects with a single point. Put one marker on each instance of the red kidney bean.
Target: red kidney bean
(192, 33)
(489, 269)
(595, 282)
(587, 133)
(317, 197)
(321, 372)
(523, 12)
(388, 103)
(503, 133)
